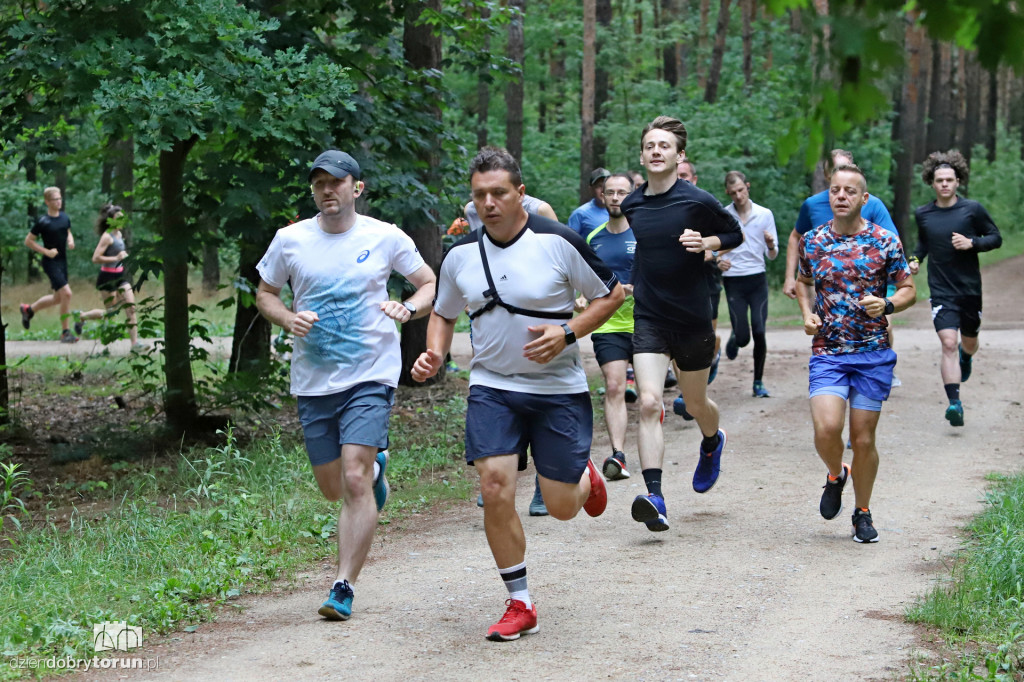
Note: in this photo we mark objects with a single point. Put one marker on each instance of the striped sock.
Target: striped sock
(515, 582)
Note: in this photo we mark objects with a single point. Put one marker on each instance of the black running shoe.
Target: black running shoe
(26, 315)
(863, 529)
(731, 349)
(614, 468)
(832, 499)
(965, 364)
(670, 379)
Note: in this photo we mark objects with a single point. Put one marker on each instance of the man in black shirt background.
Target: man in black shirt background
(55, 230)
(953, 231)
(674, 223)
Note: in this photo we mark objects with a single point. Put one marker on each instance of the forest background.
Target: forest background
(201, 118)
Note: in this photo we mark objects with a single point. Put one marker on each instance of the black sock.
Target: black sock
(952, 391)
(709, 443)
(652, 477)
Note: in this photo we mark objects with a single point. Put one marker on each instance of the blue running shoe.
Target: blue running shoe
(380, 486)
(714, 367)
(955, 413)
(965, 364)
(650, 509)
(760, 391)
(537, 506)
(338, 605)
(708, 466)
(679, 407)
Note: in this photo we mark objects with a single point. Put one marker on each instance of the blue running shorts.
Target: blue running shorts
(358, 415)
(558, 429)
(864, 379)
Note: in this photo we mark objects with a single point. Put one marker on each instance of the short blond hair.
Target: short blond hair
(50, 191)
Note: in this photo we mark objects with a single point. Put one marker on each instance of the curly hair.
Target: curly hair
(951, 159)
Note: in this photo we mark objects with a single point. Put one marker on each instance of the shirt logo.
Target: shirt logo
(363, 256)
(504, 278)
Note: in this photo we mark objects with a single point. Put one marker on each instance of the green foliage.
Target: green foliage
(13, 481)
(982, 602)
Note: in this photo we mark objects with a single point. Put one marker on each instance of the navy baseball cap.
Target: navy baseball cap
(338, 164)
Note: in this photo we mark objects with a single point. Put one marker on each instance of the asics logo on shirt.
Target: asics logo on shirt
(363, 256)
(504, 278)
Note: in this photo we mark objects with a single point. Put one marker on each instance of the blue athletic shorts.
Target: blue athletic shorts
(358, 416)
(558, 429)
(864, 379)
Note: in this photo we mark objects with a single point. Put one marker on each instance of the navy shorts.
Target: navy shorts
(558, 429)
(358, 415)
(612, 346)
(849, 375)
(57, 270)
(963, 313)
(691, 351)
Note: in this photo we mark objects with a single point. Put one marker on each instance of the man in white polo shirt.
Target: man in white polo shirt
(744, 276)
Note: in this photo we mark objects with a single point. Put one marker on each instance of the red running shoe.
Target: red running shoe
(598, 499)
(518, 620)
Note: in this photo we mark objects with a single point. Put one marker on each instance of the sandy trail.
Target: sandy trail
(750, 583)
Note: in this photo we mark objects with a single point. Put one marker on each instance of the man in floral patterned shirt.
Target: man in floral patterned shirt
(849, 262)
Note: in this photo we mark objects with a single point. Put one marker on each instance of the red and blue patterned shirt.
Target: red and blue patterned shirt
(845, 269)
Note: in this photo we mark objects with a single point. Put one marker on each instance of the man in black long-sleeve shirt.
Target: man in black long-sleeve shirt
(953, 231)
(673, 223)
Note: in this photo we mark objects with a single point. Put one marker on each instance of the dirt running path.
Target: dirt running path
(749, 584)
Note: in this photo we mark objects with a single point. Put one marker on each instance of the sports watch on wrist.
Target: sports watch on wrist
(410, 307)
(889, 307)
(570, 335)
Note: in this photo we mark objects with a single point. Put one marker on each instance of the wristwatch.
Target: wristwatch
(889, 307)
(570, 335)
(410, 307)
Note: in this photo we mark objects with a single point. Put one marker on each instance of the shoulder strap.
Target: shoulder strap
(491, 293)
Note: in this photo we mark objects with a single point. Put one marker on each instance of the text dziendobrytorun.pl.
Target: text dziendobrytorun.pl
(85, 664)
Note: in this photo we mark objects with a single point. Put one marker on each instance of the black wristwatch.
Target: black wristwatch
(410, 307)
(889, 307)
(570, 335)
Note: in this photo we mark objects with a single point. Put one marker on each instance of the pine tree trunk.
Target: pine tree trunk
(422, 49)
(905, 128)
(5, 400)
(702, 44)
(604, 20)
(669, 64)
(717, 53)
(587, 98)
(992, 121)
(180, 406)
(483, 90)
(939, 101)
(972, 117)
(747, 10)
(514, 90)
(123, 183)
(250, 342)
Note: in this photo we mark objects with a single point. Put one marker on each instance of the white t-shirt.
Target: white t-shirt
(541, 269)
(748, 257)
(343, 279)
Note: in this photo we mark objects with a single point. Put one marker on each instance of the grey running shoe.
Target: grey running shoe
(614, 468)
(537, 506)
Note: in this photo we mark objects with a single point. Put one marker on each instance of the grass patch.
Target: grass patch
(169, 543)
(980, 609)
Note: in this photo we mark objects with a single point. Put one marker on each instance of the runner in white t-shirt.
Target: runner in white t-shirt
(519, 275)
(346, 358)
(745, 277)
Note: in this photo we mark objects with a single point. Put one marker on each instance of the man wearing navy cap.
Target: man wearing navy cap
(346, 359)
